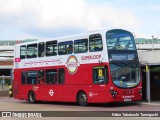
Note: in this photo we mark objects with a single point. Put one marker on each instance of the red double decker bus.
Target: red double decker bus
(95, 67)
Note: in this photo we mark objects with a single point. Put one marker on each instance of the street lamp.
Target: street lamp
(153, 41)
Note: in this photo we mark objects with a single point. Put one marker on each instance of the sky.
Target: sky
(44, 19)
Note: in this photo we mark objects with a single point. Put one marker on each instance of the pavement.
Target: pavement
(156, 103)
(150, 103)
(11, 104)
(4, 91)
(4, 88)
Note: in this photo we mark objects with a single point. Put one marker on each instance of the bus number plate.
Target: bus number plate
(127, 100)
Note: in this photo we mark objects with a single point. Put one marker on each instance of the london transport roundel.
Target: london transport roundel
(72, 64)
(51, 92)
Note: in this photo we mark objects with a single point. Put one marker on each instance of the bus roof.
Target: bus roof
(75, 36)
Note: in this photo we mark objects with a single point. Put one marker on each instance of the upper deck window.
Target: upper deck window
(41, 49)
(65, 48)
(81, 46)
(51, 48)
(95, 43)
(120, 40)
(23, 52)
(32, 51)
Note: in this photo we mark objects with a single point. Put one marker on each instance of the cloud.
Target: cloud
(82, 15)
(43, 17)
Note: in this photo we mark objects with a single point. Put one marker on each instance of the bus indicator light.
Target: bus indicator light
(17, 60)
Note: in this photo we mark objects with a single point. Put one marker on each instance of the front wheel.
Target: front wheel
(31, 97)
(82, 99)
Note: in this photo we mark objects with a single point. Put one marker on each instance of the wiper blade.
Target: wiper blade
(119, 64)
(125, 64)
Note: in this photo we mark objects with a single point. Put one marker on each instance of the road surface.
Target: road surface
(10, 104)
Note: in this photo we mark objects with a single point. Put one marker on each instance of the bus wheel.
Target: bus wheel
(31, 97)
(82, 99)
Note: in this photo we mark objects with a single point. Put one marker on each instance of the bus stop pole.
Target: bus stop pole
(11, 74)
(2, 82)
(148, 83)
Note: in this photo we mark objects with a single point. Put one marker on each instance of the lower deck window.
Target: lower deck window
(23, 77)
(31, 77)
(51, 76)
(99, 75)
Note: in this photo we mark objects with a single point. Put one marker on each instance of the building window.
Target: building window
(51, 48)
(32, 51)
(81, 46)
(51, 76)
(41, 49)
(100, 75)
(31, 77)
(95, 43)
(23, 52)
(65, 48)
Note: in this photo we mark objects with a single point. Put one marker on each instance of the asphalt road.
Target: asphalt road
(69, 109)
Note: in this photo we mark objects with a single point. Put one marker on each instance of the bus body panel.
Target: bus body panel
(99, 93)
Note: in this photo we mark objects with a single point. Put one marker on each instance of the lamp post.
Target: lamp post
(2, 82)
(153, 41)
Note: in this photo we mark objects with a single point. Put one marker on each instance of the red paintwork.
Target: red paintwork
(81, 80)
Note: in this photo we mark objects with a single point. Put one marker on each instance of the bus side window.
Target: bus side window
(32, 77)
(51, 48)
(23, 77)
(51, 76)
(81, 46)
(41, 49)
(95, 43)
(32, 51)
(41, 77)
(100, 75)
(61, 76)
(65, 48)
(23, 52)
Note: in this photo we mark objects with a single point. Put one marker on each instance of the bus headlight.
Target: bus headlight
(140, 91)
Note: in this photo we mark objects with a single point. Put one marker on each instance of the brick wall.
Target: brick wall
(4, 63)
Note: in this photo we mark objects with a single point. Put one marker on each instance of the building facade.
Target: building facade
(149, 52)
(6, 56)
